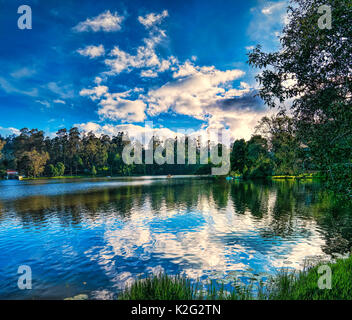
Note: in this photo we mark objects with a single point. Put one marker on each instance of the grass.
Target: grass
(302, 285)
(300, 176)
(164, 287)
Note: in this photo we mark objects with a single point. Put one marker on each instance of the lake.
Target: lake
(94, 236)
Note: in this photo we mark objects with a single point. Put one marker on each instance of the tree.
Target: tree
(238, 156)
(287, 152)
(258, 163)
(60, 169)
(312, 70)
(33, 162)
(94, 171)
(2, 144)
(52, 171)
(74, 148)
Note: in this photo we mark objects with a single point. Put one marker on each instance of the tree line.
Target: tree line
(273, 149)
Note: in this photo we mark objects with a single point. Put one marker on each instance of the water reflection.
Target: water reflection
(95, 237)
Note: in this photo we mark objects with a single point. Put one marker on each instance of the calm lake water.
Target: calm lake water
(95, 236)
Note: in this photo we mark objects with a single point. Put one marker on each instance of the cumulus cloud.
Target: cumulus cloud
(4, 132)
(145, 57)
(194, 89)
(152, 19)
(116, 106)
(239, 114)
(202, 92)
(105, 21)
(92, 51)
(94, 93)
(149, 74)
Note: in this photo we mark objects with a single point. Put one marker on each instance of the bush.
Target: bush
(52, 171)
(60, 168)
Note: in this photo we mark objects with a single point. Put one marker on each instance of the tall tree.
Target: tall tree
(33, 162)
(312, 70)
(2, 144)
(286, 149)
(238, 156)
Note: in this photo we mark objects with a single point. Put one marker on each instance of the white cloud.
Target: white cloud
(8, 87)
(94, 93)
(104, 22)
(92, 51)
(145, 57)
(23, 73)
(152, 19)
(64, 91)
(44, 103)
(116, 106)
(149, 74)
(272, 7)
(201, 92)
(194, 89)
(59, 101)
(186, 69)
(267, 23)
(204, 93)
(8, 131)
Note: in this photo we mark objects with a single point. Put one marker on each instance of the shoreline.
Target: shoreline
(275, 177)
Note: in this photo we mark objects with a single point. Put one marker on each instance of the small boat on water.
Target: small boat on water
(169, 176)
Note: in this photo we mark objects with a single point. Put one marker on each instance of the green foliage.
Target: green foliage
(52, 171)
(2, 144)
(251, 159)
(72, 152)
(60, 169)
(164, 287)
(286, 285)
(303, 285)
(311, 70)
(238, 155)
(33, 162)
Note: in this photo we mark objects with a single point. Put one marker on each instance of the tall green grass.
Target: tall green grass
(164, 287)
(302, 285)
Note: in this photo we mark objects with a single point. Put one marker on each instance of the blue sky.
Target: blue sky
(108, 66)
